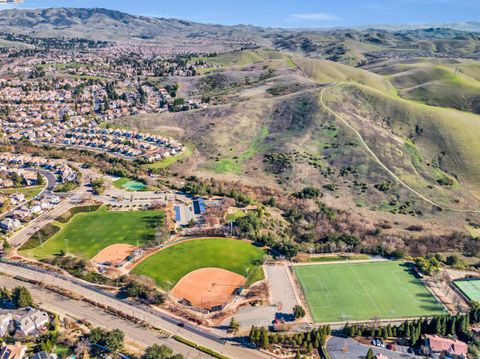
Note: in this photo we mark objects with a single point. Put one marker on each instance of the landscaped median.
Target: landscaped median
(199, 347)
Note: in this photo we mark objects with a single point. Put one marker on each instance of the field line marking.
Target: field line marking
(368, 295)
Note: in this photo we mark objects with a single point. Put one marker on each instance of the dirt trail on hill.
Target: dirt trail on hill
(390, 172)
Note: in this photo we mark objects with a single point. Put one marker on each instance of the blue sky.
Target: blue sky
(288, 13)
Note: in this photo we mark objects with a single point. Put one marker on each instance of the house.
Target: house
(5, 321)
(445, 348)
(44, 355)
(16, 351)
(32, 322)
(10, 224)
(36, 209)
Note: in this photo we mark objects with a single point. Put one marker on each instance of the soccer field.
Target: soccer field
(169, 265)
(470, 288)
(364, 291)
(86, 234)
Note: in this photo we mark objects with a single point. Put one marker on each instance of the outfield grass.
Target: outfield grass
(86, 234)
(364, 291)
(169, 265)
(470, 288)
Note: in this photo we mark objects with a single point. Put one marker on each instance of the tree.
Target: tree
(298, 311)
(265, 341)
(370, 354)
(21, 297)
(114, 340)
(160, 352)
(40, 180)
(98, 186)
(234, 325)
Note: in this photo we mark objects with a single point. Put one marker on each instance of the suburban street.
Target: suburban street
(155, 318)
(66, 307)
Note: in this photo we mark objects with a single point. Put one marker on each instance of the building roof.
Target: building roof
(439, 344)
(16, 351)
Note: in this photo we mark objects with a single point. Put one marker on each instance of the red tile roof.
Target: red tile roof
(439, 344)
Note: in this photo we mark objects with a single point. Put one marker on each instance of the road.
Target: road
(66, 307)
(388, 170)
(155, 318)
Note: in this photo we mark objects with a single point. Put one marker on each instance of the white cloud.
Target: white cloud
(320, 16)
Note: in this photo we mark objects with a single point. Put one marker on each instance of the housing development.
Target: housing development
(173, 189)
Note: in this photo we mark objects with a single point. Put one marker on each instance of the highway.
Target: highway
(154, 318)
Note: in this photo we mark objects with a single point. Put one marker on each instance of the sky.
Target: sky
(287, 13)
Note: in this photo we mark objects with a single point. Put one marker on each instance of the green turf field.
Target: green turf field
(169, 265)
(470, 288)
(129, 184)
(362, 291)
(88, 233)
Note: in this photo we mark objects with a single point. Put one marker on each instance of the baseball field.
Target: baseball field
(364, 291)
(171, 264)
(86, 234)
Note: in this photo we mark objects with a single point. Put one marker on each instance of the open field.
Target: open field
(169, 265)
(470, 288)
(208, 287)
(364, 291)
(86, 234)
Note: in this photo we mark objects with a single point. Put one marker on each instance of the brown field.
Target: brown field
(208, 287)
(114, 253)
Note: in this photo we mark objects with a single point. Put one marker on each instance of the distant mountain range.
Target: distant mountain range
(104, 24)
(469, 26)
(338, 44)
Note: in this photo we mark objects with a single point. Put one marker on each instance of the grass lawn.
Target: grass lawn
(470, 288)
(29, 192)
(338, 258)
(235, 215)
(128, 184)
(363, 291)
(86, 234)
(169, 265)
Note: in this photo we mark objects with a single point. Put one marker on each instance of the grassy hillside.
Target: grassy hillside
(243, 57)
(327, 71)
(445, 83)
(286, 139)
(430, 148)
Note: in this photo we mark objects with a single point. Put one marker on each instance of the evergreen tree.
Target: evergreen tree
(370, 354)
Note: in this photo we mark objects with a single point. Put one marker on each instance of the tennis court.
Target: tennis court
(470, 288)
